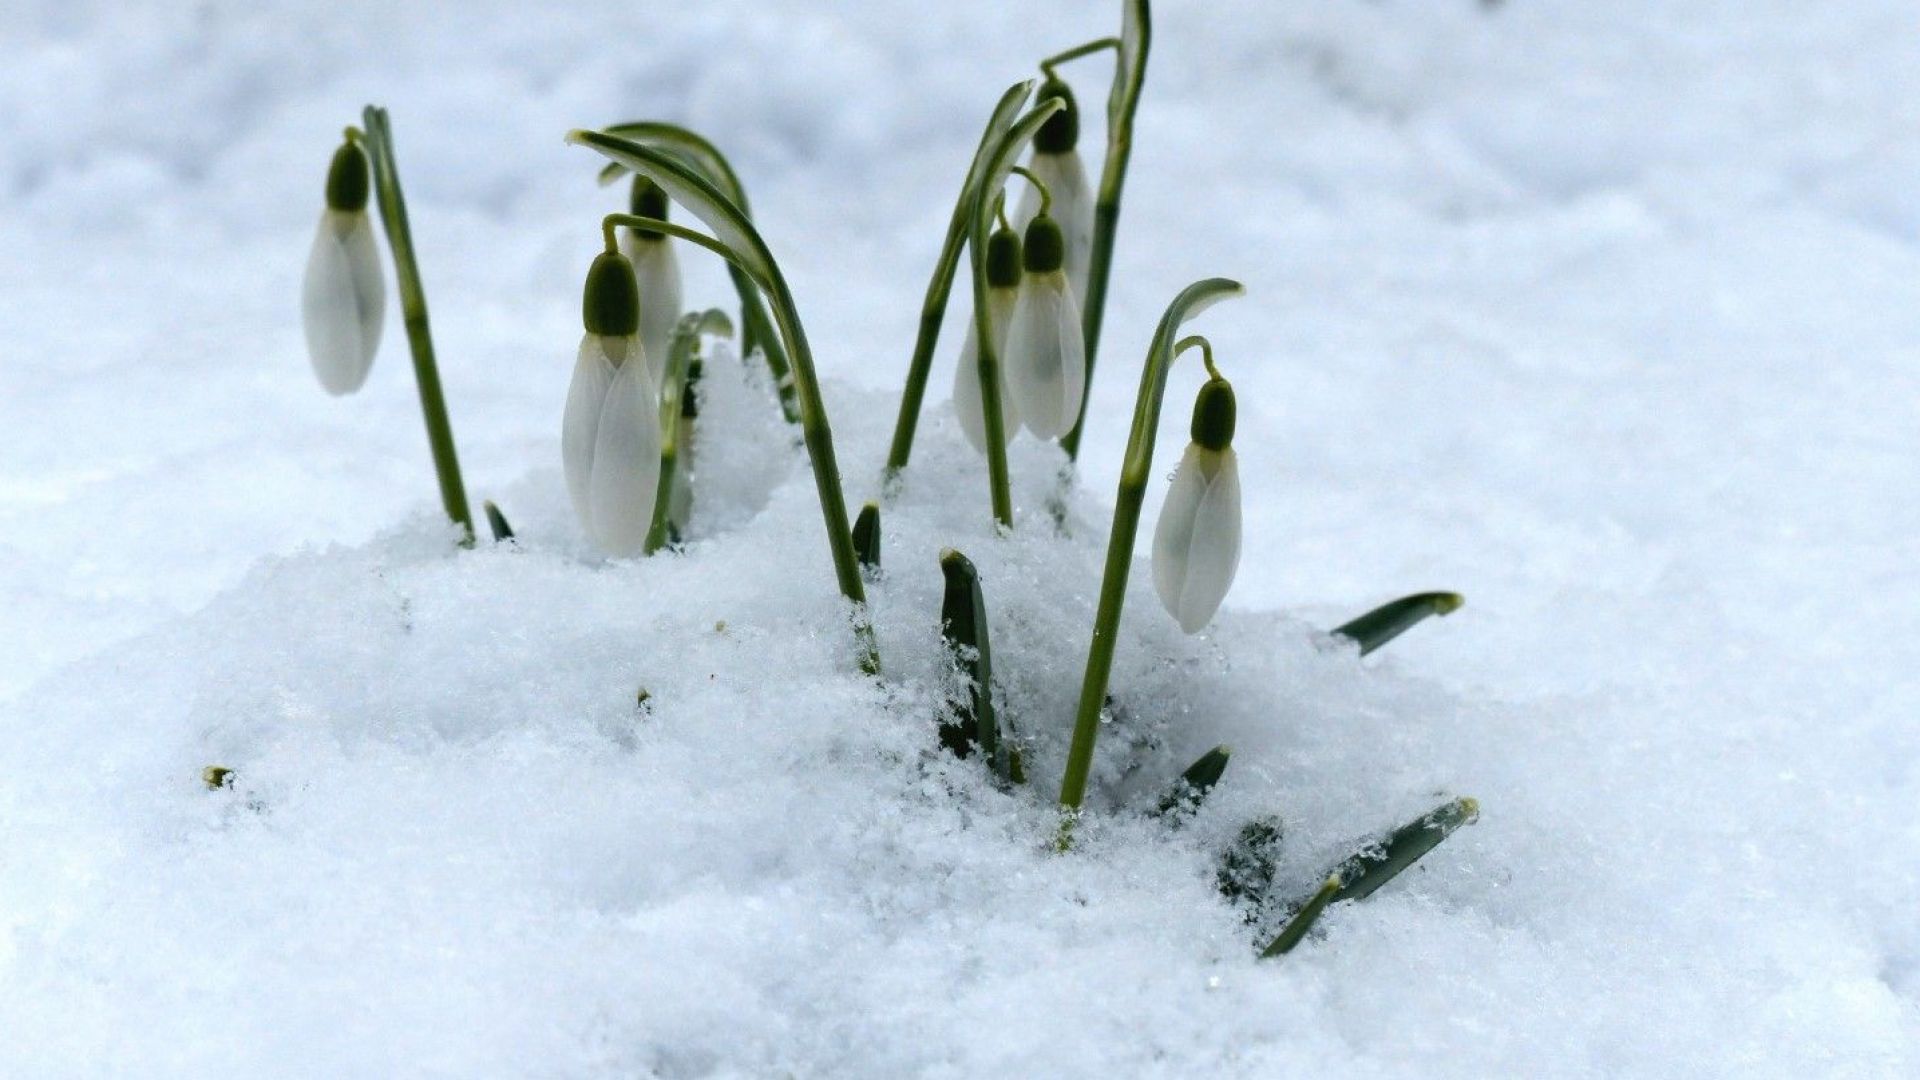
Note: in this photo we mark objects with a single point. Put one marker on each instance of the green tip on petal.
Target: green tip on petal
(1061, 132)
(1003, 259)
(1213, 415)
(610, 305)
(648, 201)
(347, 178)
(1045, 249)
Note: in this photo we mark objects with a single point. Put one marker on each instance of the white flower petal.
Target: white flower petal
(1196, 545)
(1046, 357)
(966, 374)
(580, 426)
(657, 270)
(343, 300)
(626, 462)
(1066, 177)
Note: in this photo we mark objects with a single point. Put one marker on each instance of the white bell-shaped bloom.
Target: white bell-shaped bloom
(343, 300)
(1045, 355)
(966, 374)
(657, 269)
(1066, 179)
(1196, 546)
(610, 440)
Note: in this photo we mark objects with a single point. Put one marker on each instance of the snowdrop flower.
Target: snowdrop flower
(610, 437)
(658, 271)
(1003, 289)
(1056, 161)
(1046, 357)
(344, 297)
(1196, 546)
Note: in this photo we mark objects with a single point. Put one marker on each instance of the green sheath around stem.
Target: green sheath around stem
(413, 304)
(1134, 473)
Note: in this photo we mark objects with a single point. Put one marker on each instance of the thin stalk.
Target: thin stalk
(756, 329)
(1076, 53)
(413, 305)
(1134, 474)
(933, 309)
(1123, 103)
(742, 246)
(680, 352)
(986, 357)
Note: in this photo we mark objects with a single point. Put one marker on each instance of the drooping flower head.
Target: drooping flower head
(657, 269)
(1056, 161)
(1003, 290)
(1196, 545)
(1046, 356)
(343, 299)
(610, 434)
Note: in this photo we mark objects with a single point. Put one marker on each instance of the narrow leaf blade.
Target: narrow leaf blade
(1390, 620)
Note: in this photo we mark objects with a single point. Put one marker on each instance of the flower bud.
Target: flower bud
(343, 298)
(1196, 545)
(1061, 131)
(610, 304)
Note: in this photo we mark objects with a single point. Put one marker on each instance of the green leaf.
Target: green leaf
(497, 521)
(963, 622)
(1389, 621)
(1302, 921)
(1191, 788)
(1373, 866)
(866, 537)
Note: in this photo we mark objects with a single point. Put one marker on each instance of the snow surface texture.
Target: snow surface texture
(1606, 315)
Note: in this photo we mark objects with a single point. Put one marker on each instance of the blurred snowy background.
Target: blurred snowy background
(1606, 315)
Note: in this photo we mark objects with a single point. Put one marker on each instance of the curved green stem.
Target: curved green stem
(673, 420)
(933, 309)
(986, 356)
(1206, 353)
(756, 329)
(1046, 193)
(1123, 102)
(1134, 474)
(737, 241)
(378, 141)
(1076, 53)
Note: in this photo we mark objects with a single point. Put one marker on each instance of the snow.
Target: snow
(1604, 315)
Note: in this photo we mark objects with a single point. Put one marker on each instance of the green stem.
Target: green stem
(986, 356)
(1196, 341)
(1134, 474)
(685, 343)
(933, 309)
(749, 252)
(1076, 53)
(413, 306)
(1046, 193)
(1124, 102)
